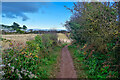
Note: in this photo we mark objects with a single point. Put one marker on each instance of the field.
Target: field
(63, 38)
(22, 38)
(18, 38)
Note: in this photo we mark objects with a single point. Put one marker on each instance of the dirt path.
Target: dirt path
(66, 65)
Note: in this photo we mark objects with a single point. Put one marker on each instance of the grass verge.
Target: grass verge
(53, 62)
(80, 68)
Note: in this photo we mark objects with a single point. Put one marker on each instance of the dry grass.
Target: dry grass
(15, 39)
(62, 36)
(19, 37)
(22, 38)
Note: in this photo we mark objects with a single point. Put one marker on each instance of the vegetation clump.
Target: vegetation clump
(34, 61)
(94, 27)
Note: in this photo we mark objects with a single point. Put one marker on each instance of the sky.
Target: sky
(36, 15)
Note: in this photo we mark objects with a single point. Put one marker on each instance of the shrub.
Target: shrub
(26, 62)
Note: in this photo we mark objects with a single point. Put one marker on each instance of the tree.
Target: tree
(15, 27)
(24, 27)
(20, 31)
(93, 23)
(16, 24)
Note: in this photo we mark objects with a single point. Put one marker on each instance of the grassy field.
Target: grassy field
(22, 38)
(16, 38)
(25, 37)
(62, 36)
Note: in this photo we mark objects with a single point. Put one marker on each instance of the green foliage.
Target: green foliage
(3, 39)
(98, 66)
(32, 61)
(15, 27)
(49, 40)
(95, 25)
(19, 31)
(92, 24)
(24, 27)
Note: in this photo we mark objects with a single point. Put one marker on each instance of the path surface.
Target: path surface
(66, 65)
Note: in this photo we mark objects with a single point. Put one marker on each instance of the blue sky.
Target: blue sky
(36, 15)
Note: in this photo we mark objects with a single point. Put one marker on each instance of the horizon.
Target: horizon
(36, 15)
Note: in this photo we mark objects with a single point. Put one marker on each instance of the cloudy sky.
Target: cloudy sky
(36, 15)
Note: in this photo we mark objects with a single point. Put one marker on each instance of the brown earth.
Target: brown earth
(66, 66)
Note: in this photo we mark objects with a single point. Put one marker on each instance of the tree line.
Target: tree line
(15, 27)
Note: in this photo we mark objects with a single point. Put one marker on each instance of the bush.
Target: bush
(49, 40)
(91, 23)
(95, 25)
(29, 62)
(98, 65)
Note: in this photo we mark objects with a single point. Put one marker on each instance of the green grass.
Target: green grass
(50, 67)
(80, 68)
